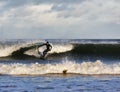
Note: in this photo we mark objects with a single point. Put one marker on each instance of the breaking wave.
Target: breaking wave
(30, 48)
(70, 67)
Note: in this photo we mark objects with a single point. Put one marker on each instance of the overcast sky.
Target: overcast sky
(60, 19)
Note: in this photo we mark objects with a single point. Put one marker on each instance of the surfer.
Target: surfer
(48, 48)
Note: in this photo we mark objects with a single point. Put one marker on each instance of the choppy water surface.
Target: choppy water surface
(60, 83)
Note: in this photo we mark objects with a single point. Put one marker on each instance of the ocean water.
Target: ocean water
(79, 65)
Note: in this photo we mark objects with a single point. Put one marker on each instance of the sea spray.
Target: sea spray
(8, 49)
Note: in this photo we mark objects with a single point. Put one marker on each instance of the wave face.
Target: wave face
(97, 49)
(89, 68)
(18, 48)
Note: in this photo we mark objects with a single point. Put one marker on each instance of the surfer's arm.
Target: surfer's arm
(41, 45)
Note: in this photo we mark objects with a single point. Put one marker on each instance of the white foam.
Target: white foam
(56, 48)
(80, 68)
(61, 48)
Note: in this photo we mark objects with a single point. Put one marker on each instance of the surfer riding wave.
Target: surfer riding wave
(48, 48)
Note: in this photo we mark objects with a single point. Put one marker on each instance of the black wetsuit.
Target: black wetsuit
(48, 48)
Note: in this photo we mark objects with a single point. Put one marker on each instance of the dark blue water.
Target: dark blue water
(59, 84)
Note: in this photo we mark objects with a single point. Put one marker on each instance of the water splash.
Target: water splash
(7, 50)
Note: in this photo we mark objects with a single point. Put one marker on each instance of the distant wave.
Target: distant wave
(69, 67)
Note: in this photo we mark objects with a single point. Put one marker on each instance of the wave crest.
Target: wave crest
(71, 67)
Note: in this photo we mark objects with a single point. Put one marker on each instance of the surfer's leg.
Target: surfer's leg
(45, 52)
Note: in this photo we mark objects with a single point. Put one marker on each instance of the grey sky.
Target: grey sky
(63, 19)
